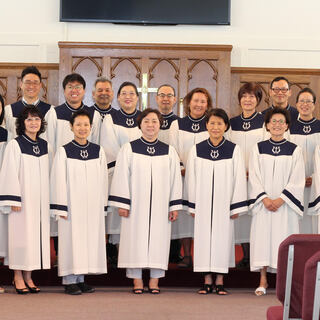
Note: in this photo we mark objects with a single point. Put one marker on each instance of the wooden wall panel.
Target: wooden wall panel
(299, 79)
(183, 66)
(10, 81)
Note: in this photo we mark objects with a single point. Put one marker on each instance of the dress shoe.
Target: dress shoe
(85, 288)
(20, 291)
(72, 289)
(33, 289)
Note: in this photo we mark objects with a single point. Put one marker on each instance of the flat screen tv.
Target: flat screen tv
(148, 12)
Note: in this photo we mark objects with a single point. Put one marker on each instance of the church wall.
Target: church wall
(263, 33)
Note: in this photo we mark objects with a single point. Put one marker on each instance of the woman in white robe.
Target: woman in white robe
(183, 134)
(305, 132)
(24, 195)
(246, 130)
(3, 218)
(79, 180)
(147, 189)
(216, 193)
(275, 192)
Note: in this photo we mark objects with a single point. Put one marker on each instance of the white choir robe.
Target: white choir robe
(306, 134)
(215, 190)
(79, 180)
(25, 183)
(245, 132)
(12, 112)
(58, 133)
(117, 129)
(183, 134)
(98, 117)
(165, 128)
(314, 202)
(147, 182)
(3, 217)
(276, 169)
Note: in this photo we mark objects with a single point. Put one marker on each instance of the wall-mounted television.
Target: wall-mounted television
(148, 12)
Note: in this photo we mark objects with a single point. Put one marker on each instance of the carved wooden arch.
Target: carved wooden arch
(176, 69)
(81, 59)
(138, 75)
(5, 90)
(215, 71)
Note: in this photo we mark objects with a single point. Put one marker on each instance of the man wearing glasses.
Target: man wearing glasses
(30, 86)
(166, 99)
(279, 93)
(58, 129)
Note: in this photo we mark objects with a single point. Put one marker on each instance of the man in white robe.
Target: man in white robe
(166, 99)
(30, 86)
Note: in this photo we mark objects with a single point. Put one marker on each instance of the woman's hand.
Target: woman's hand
(15, 208)
(268, 203)
(183, 172)
(173, 215)
(235, 216)
(308, 182)
(123, 212)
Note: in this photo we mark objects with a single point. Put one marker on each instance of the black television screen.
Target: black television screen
(208, 12)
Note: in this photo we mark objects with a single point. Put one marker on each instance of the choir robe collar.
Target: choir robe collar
(89, 151)
(155, 148)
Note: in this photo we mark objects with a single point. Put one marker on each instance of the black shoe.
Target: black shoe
(20, 291)
(33, 289)
(72, 289)
(85, 288)
(243, 264)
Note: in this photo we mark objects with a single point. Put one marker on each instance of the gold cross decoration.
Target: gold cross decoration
(145, 90)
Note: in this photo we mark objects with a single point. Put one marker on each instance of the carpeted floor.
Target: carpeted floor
(119, 303)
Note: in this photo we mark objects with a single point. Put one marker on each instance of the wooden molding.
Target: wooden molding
(280, 71)
(144, 46)
(14, 65)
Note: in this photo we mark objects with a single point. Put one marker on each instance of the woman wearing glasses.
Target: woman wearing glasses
(275, 193)
(305, 132)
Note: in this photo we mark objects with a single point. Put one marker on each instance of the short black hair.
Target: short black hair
(218, 112)
(277, 110)
(73, 77)
(279, 79)
(2, 112)
(309, 91)
(167, 85)
(31, 69)
(145, 112)
(31, 110)
(80, 113)
(128, 83)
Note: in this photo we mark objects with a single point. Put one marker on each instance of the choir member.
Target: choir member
(246, 130)
(215, 193)
(184, 133)
(79, 197)
(24, 196)
(280, 92)
(3, 218)
(305, 132)
(30, 86)
(117, 130)
(147, 189)
(102, 95)
(166, 99)
(275, 192)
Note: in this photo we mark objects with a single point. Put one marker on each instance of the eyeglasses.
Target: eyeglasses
(31, 83)
(305, 101)
(77, 87)
(281, 121)
(37, 119)
(277, 90)
(124, 94)
(163, 95)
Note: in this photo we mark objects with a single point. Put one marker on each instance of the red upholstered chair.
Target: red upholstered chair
(292, 256)
(311, 289)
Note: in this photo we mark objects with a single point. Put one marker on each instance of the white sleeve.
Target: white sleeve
(50, 134)
(58, 185)
(189, 194)
(175, 181)
(314, 201)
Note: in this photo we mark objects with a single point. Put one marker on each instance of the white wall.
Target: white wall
(268, 33)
